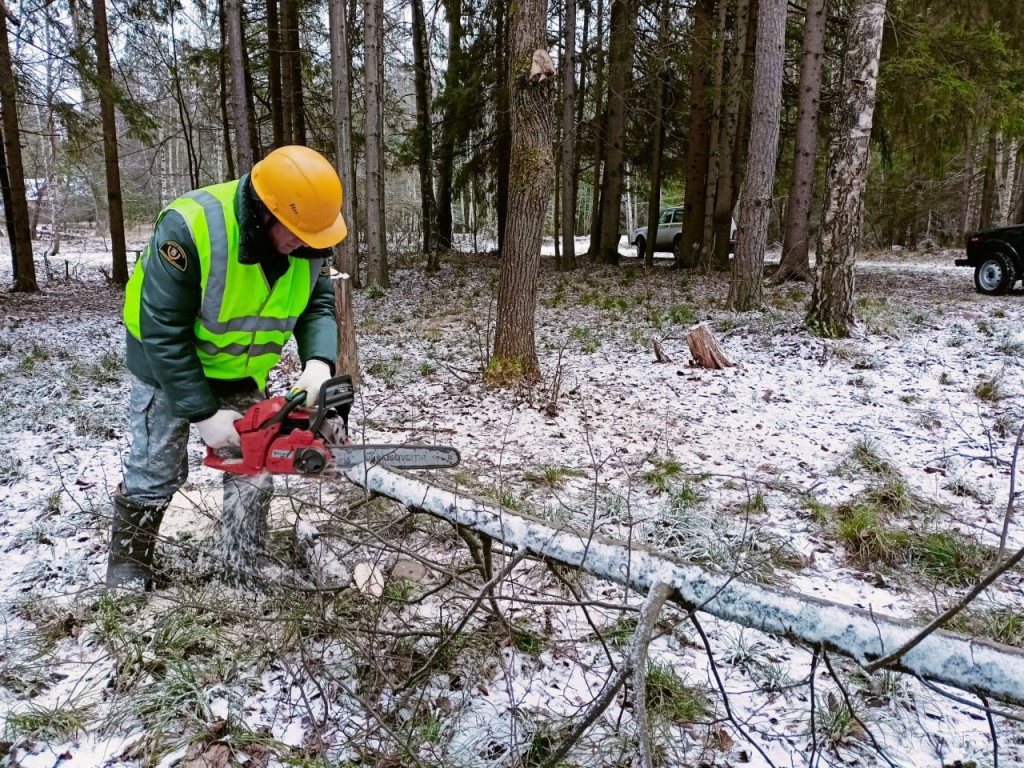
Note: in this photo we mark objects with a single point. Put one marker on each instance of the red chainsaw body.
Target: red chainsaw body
(272, 442)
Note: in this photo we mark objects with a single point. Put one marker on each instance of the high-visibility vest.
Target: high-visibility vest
(242, 324)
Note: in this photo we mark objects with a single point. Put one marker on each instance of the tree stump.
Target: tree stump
(348, 352)
(704, 349)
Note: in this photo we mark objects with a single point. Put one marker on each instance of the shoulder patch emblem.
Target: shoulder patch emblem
(175, 255)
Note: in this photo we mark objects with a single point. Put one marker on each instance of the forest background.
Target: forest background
(822, 129)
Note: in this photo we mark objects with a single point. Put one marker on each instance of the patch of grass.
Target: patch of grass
(671, 698)
(726, 324)
(756, 504)
(427, 368)
(1010, 346)
(399, 591)
(835, 722)
(32, 358)
(661, 476)
(374, 292)
(615, 304)
(50, 724)
(11, 468)
(684, 314)
(1003, 625)
(621, 633)
(385, 369)
(867, 456)
(551, 475)
(526, 640)
(946, 380)
(984, 328)
(989, 390)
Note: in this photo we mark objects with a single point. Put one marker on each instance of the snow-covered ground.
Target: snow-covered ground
(753, 467)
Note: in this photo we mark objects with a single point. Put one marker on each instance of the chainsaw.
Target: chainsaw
(280, 437)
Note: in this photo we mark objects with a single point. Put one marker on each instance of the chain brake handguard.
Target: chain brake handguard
(279, 436)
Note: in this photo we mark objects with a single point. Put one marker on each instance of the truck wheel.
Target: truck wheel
(995, 275)
(641, 247)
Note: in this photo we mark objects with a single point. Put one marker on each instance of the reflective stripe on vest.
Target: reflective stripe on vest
(242, 325)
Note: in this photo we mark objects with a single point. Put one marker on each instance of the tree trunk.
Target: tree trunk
(831, 308)
(274, 72)
(1007, 173)
(503, 118)
(348, 249)
(595, 192)
(967, 189)
(291, 70)
(9, 219)
(567, 260)
(654, 201)
(967, 663)
(988, 189)
(446, 151)
(796, 263)
(622, 36)
(373, 42)
(225, 114)
(728, 145)
(531, 175)
(581, 100)
(348, 349)
(745, 290)
(288, 85)
(15, 202)
(695, 192)
(706, 257)
(236, 43)
(105, 80)
(424, 136)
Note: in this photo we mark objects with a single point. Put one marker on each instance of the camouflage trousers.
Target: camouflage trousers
(157, 466)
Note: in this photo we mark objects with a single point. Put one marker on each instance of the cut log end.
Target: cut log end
(705, 350)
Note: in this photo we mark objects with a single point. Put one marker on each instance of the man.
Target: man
(231, 273)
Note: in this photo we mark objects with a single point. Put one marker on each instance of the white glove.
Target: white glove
(219, 431)
(313, 377)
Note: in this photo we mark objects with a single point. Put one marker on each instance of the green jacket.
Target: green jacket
(170, 296)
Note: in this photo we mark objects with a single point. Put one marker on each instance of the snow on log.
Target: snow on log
(704, 349)
(973, 665)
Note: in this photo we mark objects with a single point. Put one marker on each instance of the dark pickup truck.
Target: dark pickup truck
(997, 256)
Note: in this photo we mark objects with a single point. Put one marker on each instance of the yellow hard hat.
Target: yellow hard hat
(302, 190)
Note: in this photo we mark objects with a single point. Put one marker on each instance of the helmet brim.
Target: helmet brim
(325, 238)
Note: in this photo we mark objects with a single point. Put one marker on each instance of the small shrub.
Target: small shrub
(990, 390)
(867, 456)
(374, 292)
(51, 724)
(552, 476)
(683, 314)
(663, 473)
(672, 699)
(427, 368)
(1010, 347)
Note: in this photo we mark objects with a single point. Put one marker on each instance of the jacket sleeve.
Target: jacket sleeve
(171, 296)
(316, 331)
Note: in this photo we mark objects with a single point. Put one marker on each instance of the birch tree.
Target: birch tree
(21, 245)
(831, 310)
(745, 289)
(796, 264)
(373, 41)
(531, 175)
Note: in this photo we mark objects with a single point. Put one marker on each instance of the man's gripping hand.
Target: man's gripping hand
(219, 431)
(313, 377)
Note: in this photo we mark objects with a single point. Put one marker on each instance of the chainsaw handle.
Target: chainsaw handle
(291, 401)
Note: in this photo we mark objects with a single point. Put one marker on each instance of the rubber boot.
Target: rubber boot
(132, 542)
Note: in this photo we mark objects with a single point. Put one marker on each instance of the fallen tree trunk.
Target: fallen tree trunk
(978, 666)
